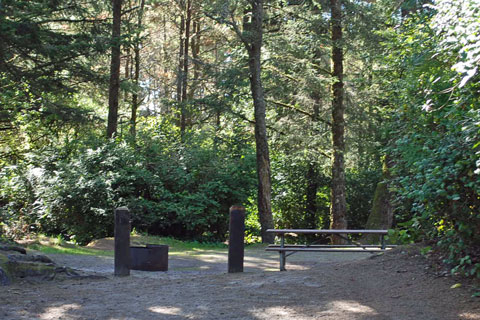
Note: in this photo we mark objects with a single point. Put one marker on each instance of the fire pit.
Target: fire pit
(150, 258)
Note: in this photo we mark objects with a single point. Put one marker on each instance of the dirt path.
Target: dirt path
(397, 285)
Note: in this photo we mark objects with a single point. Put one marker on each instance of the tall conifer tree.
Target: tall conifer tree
(339, 205)
(114, 70)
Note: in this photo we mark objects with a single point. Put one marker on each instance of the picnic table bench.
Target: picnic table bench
(286, 250)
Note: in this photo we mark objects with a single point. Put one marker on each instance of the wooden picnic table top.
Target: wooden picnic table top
(325, 231)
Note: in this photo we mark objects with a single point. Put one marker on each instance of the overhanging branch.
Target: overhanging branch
(292, 107)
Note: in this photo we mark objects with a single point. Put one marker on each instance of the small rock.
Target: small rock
(30, 258)
(13, 248)
(42, 258)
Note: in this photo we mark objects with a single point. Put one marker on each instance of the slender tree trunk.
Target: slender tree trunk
(195, 54)
(127, 57)
(339, 205)
(218, 112)
(311, 197)
(135, 102)
(180, 54)
(263, 158)
(186, 47)
(114, 71)
(127, 70)
(127, 62)
(312, 174)
(136, 51)
(186, 50)
(165, 58)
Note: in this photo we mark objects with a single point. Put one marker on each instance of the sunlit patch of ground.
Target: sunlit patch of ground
(469, 316)
(59, 312)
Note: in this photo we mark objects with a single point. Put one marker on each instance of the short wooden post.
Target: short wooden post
(236, 239)
(122, 242)
(283, 257)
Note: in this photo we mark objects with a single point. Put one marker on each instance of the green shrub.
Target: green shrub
(178, 189)
(435, 132)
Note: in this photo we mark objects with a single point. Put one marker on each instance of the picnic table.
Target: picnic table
(286, 250)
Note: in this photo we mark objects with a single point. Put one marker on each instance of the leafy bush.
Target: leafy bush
(435, 131)
(178, 189)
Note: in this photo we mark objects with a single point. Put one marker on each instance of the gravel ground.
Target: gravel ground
(397, 285)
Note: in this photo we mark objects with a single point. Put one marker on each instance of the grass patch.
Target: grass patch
(50, 245)
(104, 247)
(68, 249)
(178, 245)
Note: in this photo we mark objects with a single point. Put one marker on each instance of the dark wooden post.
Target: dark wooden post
(236, 239)
(122, 242)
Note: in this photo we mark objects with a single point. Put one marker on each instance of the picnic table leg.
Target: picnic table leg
(282, 253)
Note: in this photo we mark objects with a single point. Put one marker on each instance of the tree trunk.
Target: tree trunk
(312, 173)
(127, 58)
(339, 205)
(311, 197)
(180, 54)
(195, 55)
(263, 159)
(166, 87)
(127, 62)
(186, 46)
(114, 71)
(135, 102)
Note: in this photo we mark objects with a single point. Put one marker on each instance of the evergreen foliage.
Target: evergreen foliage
(47, 54)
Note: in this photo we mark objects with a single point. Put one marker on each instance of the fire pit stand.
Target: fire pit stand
(150, 258)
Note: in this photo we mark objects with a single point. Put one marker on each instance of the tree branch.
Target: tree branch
(73, 20)
(243, 117)
(292, 107)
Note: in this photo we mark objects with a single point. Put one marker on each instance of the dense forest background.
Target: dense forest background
(312, 114)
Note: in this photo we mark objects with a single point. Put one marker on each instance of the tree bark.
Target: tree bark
(127, 62)
(195, 55)
(186, 46)
(136, 77)
(180, 53)
(339, 206)
(166, 87)
(254, 46)
(312, 173)
(114, 71)
(311, 197)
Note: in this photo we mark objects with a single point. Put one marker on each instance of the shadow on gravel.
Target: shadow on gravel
(393, 286)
